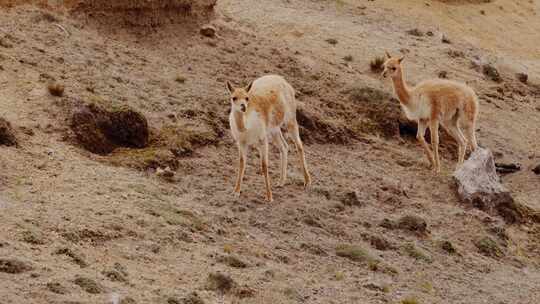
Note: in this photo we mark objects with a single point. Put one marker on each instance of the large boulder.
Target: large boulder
(478, 184)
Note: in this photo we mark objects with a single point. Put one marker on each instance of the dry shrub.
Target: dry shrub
(7, 135)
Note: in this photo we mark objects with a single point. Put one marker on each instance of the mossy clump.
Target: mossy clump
(489, 247)
(34, 237)
(233, 261)
(100, 130)
(182, 141)
(89, 285)
(409, 300)
(413, 223)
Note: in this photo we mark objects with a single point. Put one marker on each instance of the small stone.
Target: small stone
(443, 74)
(448, 247)
(445, 39)
(522, 77)
(208, 31)
(491, 72)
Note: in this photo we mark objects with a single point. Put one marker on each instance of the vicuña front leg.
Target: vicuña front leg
(422, 125)
(242, 152)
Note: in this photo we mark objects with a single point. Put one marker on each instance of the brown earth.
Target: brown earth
(376, 226)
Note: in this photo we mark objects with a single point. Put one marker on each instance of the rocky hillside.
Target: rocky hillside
(117, 166)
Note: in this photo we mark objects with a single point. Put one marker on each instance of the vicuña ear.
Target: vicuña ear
(248, 88)
(401, 59)
(387, 55)
(229, 87)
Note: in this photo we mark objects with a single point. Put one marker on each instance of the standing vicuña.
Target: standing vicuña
(258, 112)
(437, 101)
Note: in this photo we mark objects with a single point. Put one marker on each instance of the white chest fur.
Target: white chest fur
(253, 130)
(417, 110)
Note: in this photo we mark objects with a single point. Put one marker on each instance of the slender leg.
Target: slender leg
(452, 129)
(279, 140)
(422, 125)
(242, 152)
(264, 164)
(470, 134)
(434, 130)
(300, 147)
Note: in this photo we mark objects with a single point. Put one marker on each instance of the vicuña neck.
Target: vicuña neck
(239, 120)
(402, 91)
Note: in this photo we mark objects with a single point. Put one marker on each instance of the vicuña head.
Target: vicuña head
(239, 97)
(435, 102)
(392, 66)
(258, 114)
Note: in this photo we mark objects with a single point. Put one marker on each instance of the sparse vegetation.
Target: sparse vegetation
(220, 282)
(89, 285)
(180, 79)
(417, 253)
(332, 41)
(356, 254)
(348, 58)
(415, 32)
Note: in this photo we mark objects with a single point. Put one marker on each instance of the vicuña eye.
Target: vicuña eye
(247, 98)
(234, 98)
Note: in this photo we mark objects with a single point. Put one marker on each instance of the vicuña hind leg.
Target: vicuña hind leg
(470, 134)
(293, 127)
(434, 130)
(452, 128)
(280, 141)
(263, 150)
(422, 126)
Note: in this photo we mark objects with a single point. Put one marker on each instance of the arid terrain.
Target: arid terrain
(157, 222)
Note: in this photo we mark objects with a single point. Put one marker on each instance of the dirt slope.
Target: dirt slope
(82, 228)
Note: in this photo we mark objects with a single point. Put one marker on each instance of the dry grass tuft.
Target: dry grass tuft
(376, 64)
(56, 89)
